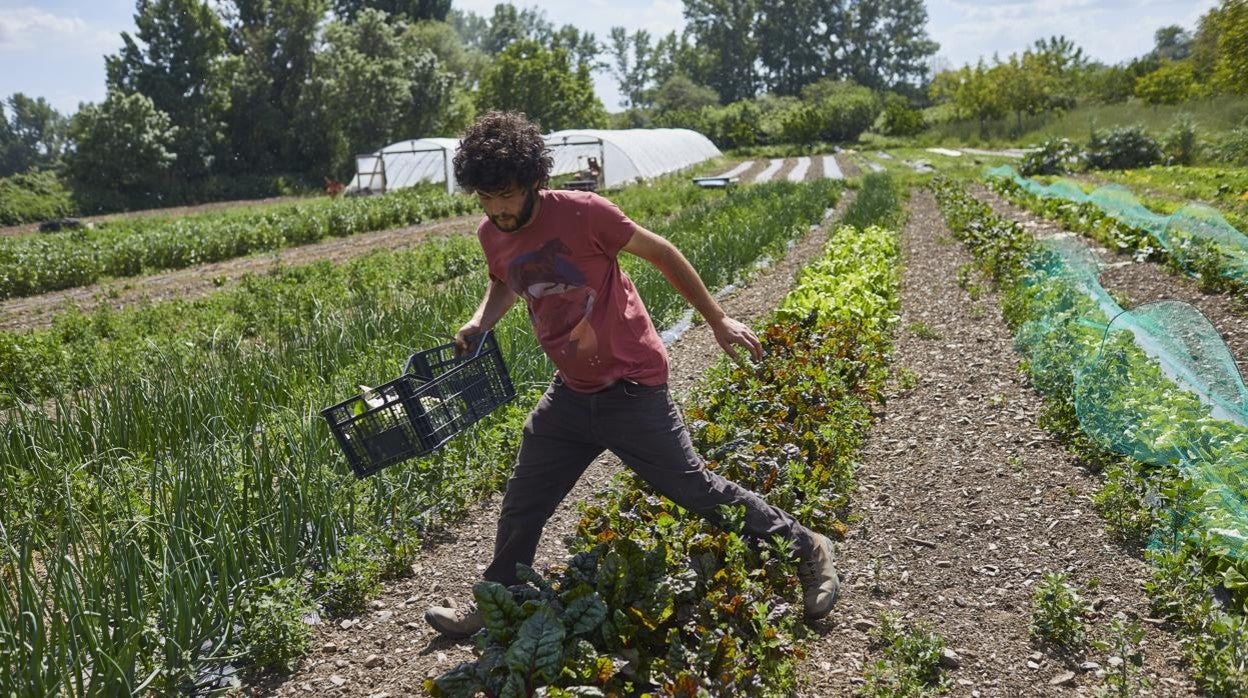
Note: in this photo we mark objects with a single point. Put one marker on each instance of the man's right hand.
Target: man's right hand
(469, 329)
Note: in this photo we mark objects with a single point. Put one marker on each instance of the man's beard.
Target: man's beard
(521, 220)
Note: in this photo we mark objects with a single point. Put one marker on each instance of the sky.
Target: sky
(55, 48)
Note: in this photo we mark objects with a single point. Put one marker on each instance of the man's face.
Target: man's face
(509, 209)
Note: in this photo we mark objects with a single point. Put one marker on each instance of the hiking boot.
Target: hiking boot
(453, 620)
(819, 581)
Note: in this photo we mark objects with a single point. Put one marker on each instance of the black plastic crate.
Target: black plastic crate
(438, 396)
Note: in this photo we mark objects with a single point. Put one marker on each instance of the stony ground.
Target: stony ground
(964, 503)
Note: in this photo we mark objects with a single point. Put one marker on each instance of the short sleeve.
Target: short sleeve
(612, 229)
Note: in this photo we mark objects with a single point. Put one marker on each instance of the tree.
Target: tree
(411, 10)
(1023, 85)
(632, 64)
(887, 43)
(680, 94)
(799, 42)
(1170, 84)
(178, 60)
(724, 31)
(373, 84)
(275, 45)
(543, 84)
(123, 146)
(34, 137)
(1172, 43)
(1231, 70)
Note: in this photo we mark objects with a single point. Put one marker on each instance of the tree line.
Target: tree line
(218, 99)
(1053, 74)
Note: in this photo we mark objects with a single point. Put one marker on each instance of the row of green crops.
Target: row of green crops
(1180, 483)
(655, 600)
(39, 263)
(189, 466)
(1194, 240)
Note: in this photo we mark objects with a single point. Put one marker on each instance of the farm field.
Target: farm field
(966, 514)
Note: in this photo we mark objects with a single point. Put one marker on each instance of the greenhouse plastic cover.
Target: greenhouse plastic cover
(1180, 233)
(629, 154)
(1155, 383)
(625, 156)
(406, 164)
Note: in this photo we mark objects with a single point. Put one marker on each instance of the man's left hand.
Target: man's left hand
(730, 333)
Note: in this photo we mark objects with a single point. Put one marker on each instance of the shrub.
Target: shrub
(274, 633)
(846, 109)
(1055, 156)
(1122, 149)
(898, 118)
(1180, 142)
(33, 197)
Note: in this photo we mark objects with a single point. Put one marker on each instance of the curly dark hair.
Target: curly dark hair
(500, 149)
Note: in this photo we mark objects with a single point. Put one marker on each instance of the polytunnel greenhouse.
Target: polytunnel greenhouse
(622, 156)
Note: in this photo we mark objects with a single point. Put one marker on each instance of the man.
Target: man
(558, 250)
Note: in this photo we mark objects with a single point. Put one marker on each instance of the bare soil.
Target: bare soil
(964, 503)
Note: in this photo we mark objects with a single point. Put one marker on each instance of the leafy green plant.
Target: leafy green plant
(911, 663)
(1125, 675)
(1122, 148)
(922, 330)
(275, 634)
(1055, 156)
(1057, 614)
(353, 577)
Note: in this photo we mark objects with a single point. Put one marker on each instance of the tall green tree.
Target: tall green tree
(888, 43)
(544, 84)
(800, 41)
(275, 43)
(1172, 43)
(725, 32)
(1230, 72)
(33, 137)
(124, 149)
(632, 65)
(372, 84)
(177, 58)
(411, 10)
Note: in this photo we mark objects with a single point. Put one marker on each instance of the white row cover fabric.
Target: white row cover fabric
(624, 156)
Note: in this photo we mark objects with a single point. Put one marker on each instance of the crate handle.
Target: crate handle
(407, 366)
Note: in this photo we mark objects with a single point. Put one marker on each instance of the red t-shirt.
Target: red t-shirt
(584, 309)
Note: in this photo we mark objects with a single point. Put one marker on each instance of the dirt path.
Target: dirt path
(395, 630)
(1133, 283)
(965, 503)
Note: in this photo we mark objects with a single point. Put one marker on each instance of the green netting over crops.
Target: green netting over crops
(1156, 383)
(1181, 233)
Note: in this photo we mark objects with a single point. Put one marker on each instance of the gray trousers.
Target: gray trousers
(644, 428)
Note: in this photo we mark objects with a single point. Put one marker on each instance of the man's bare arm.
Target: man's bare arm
(684, 278)
(494, 305)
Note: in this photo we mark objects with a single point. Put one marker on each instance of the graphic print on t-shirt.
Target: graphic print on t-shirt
(547, 272)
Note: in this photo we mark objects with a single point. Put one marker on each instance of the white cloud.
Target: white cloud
(24, 28)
